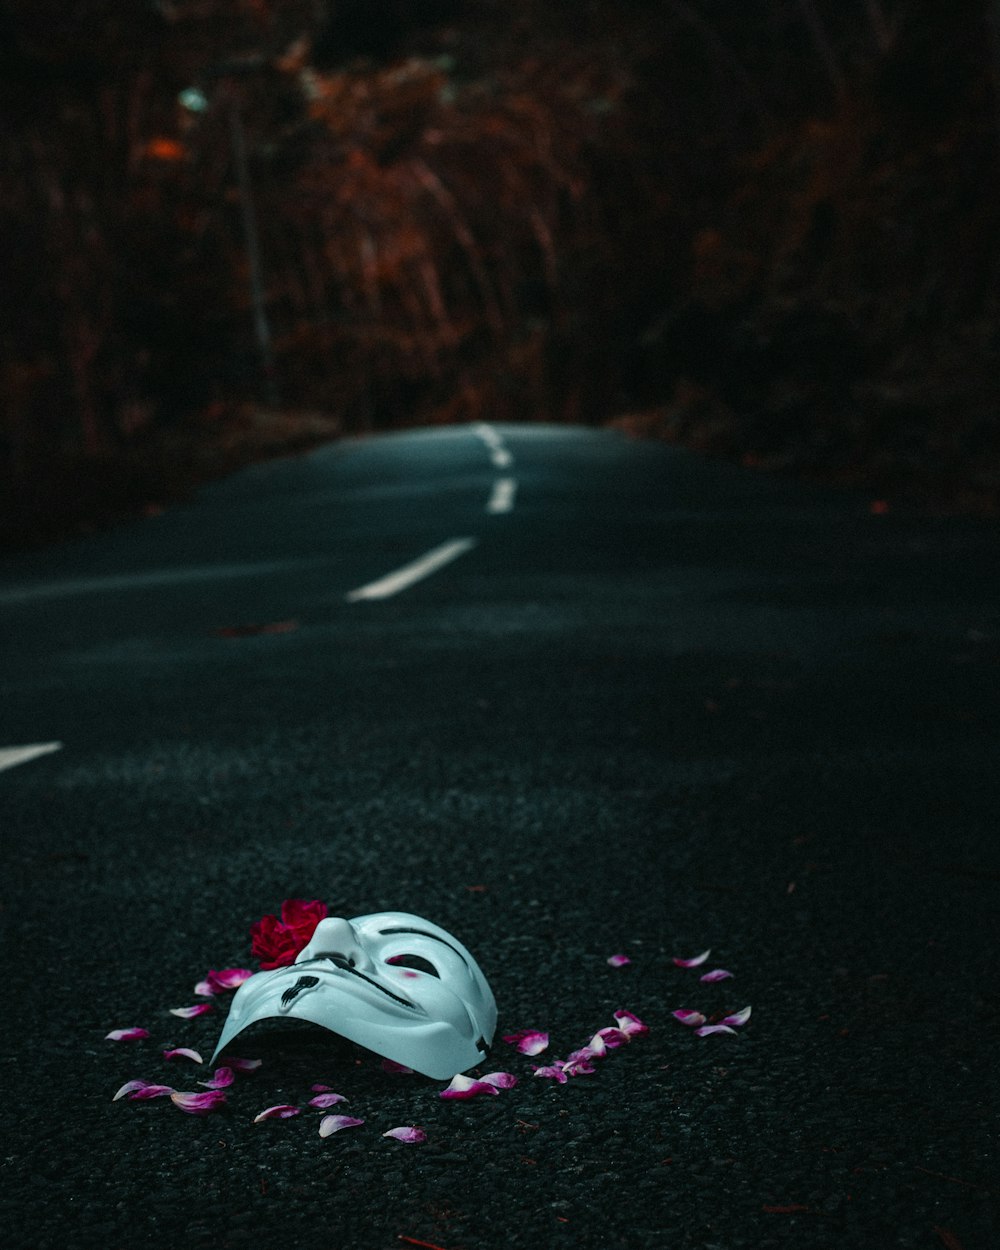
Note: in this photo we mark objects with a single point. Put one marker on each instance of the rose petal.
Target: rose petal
(126, 1035)
(199, 1104)
(465, 1087)
(409, 1135)
(224, 979)
(183, 1052)
(717, 974)
(738, 1017)
(189, 1013)
(597, 1047)
(695, 962)
(502, 1080)
(141, 1089)
(690, 1018)
(222, 1079)
(321, 1089)
(578, 1063)
(611, 1037)
(245, 1065)
(630, 1024)
(397, 1069)
(326, 1100)
(280, 1111)
(552, 1072)
(707, 1029)
(528, 1041)
(618, 961)
(334, 1123)
(204, 988)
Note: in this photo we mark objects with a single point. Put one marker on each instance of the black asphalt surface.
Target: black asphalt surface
(662, 704)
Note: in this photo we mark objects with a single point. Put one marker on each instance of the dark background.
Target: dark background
(768, 231)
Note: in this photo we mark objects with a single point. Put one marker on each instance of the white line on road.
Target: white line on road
(502, 498)
(501, 458)
(10, 757)
(393, 583)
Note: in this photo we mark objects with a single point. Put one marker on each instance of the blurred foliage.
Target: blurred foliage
(766, 230)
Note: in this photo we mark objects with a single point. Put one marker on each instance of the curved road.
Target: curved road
(570, 696)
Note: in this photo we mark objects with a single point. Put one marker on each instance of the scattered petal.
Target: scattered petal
(695, 962)
(219, 981)
(737, 1018)
(707, 1029)
(334, 1123)
(502, 1080)
(189, 1013)
(199, 1104)
(321, 1089)
(465, 1087)
(326, 1100)
(126, 1035)
(691, 1018)
(183, 1052)
(717, 974)
(553, 1072)
(409, 1135)
(578, 1063)
(528, 1041)
(222, 1079)
(141, 1089)
(597, 1047)
(611, 1037)
(619, 961)
(630, 1024)
(280, 1111)
(245, 1065)
(397, 1069)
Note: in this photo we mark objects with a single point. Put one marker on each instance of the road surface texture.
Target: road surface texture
(569, 696)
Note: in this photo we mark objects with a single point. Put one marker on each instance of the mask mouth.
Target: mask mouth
(335, 971)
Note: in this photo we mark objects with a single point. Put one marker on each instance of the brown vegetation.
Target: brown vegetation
(772, 234)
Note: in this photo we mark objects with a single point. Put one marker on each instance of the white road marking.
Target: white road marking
(393, 583)
(10, 757)
(499, 455)
(502, 498)
(501, 458)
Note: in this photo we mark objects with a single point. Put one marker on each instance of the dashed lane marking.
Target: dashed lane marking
(10, 757)
(502, 498)
(415, 571)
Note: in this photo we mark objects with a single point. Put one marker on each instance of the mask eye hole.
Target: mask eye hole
(417, 962)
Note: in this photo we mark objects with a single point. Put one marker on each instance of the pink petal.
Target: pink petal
(738, 1017)
(205, 989)
(578, 1063)
(502, 1080)
(696, 962)
(326, 1100)
(397, 1069)
(553, 1072)
(141, 1089)
(465, 1087)
(691, 1018)
(409, 1135)
(182, 1052)
(334, 1123)
(619, 961)
(245, 1065)
(199, 1104)
(126, 1035)
(528, 1041)
(189, 1013)
(611, 1037)
(225, 979)
(321, 1089)
(630, 1024)
(717, 974)
(280, 1111)
(707, 1029)
(222, 1079)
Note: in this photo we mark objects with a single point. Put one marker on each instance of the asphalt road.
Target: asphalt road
(633, 702)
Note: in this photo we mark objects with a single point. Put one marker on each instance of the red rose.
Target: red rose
(273, 943)
(301, 917)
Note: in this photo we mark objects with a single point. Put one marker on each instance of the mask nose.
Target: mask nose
(336, 936)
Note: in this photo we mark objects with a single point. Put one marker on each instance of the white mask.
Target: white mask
(391, 982)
